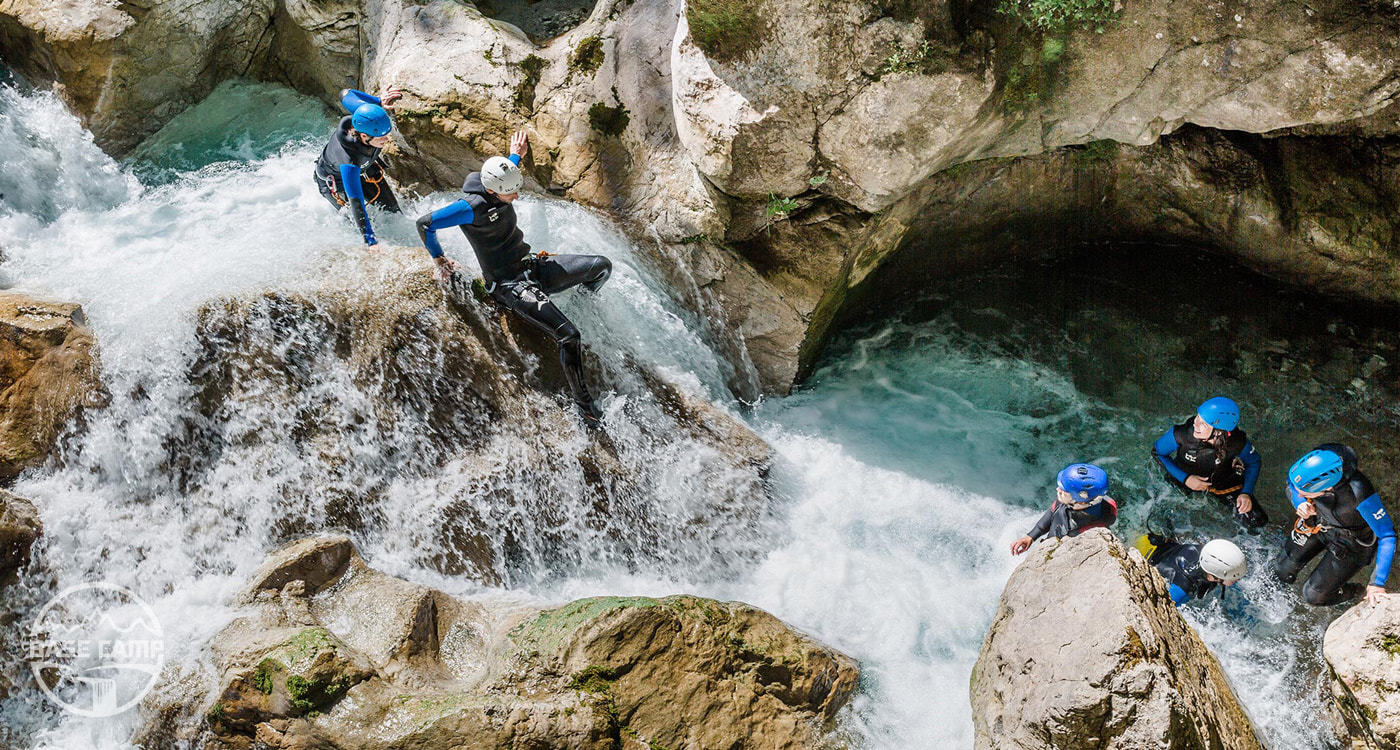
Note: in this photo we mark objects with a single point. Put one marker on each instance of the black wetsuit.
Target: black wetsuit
(518, 279)
(1061, 520)
(346, 157)
(1180, 565)
(1351, 521)
(1231, 465)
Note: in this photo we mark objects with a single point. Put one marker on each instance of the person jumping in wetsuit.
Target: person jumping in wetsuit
(1081, 503)
(348, 172)
(1340, 517)
(1192, 571)
(515, 277)
(1208, 453)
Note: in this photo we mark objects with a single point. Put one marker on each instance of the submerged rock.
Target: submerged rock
(1087, 651)
(373, 661)
(1362, 649)
(19, 528)
(48, 374)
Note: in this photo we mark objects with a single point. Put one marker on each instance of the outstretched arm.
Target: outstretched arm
(350, 178)
(454, 214)
(351, 99)
(1379, 521)
(1252, 462)
(1162, 451)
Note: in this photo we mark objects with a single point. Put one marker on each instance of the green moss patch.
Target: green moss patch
(1060, 15)
(546, 633)
(609, 121)
(727, 30)
(530, 69)
(587, 56)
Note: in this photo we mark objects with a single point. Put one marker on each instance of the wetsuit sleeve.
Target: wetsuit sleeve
(1163, 449)
(351, 99)
(1252, 463)
(350, 178)
(459, 212)
(1179, 595)
(1294, 497)
(1043, 525)
(1379, 521)
(515, 159)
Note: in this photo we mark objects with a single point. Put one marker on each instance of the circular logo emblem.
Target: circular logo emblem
(96, 649)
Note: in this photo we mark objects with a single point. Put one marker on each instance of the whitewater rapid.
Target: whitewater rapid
(906, 466)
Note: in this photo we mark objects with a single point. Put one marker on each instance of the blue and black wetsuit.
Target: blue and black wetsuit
(1062, 520)
(518, 279)
(1352, 528)
(1228, 460)
(1180, 565)
(349, 172)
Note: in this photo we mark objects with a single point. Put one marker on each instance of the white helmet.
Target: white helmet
(1222, 559)
(501, 176)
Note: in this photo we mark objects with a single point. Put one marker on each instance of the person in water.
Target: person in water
(1192, 571)
(1340, 517)
(1209, 453)
(349, 172)
(516, 278)
(1081, 503)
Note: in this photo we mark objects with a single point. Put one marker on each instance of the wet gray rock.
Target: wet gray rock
(1087, 651)
(1362, 648)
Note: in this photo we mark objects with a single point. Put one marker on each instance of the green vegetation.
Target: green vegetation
(1060, 15)
(300, 689)
(262, 676)
(550, 628)
(780, 207)
(1390, 643)
(595, 680)
(587, 56)
(727, 30)
(695, 239)
(926, 58)
(530, 69)
(1095, 152)
(607, 120)
(819, 179)
(215, 714)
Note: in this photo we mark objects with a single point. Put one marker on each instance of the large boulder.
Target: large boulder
(372, 661)
(48, 374)
(1362, 649)
(1087, 651)
(352, 393)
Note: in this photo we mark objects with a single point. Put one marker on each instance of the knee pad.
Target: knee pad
(1317, 596)
(604, 271)
(425, 222)
(568, 335)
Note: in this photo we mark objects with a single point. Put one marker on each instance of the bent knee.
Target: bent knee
(425, 222)
(1318, 596)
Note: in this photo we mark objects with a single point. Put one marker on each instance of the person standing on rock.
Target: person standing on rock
(1209, 453)
(348, 172)
(514, 276)
(1192, 571)
(1081, 503)
(1340, 517)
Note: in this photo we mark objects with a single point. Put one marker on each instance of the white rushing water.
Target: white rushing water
(906, 468)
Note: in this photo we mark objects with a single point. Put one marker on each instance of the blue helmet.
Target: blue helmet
(1086, 483)
(372, 120)
(1220, 413)
(1318, 471)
